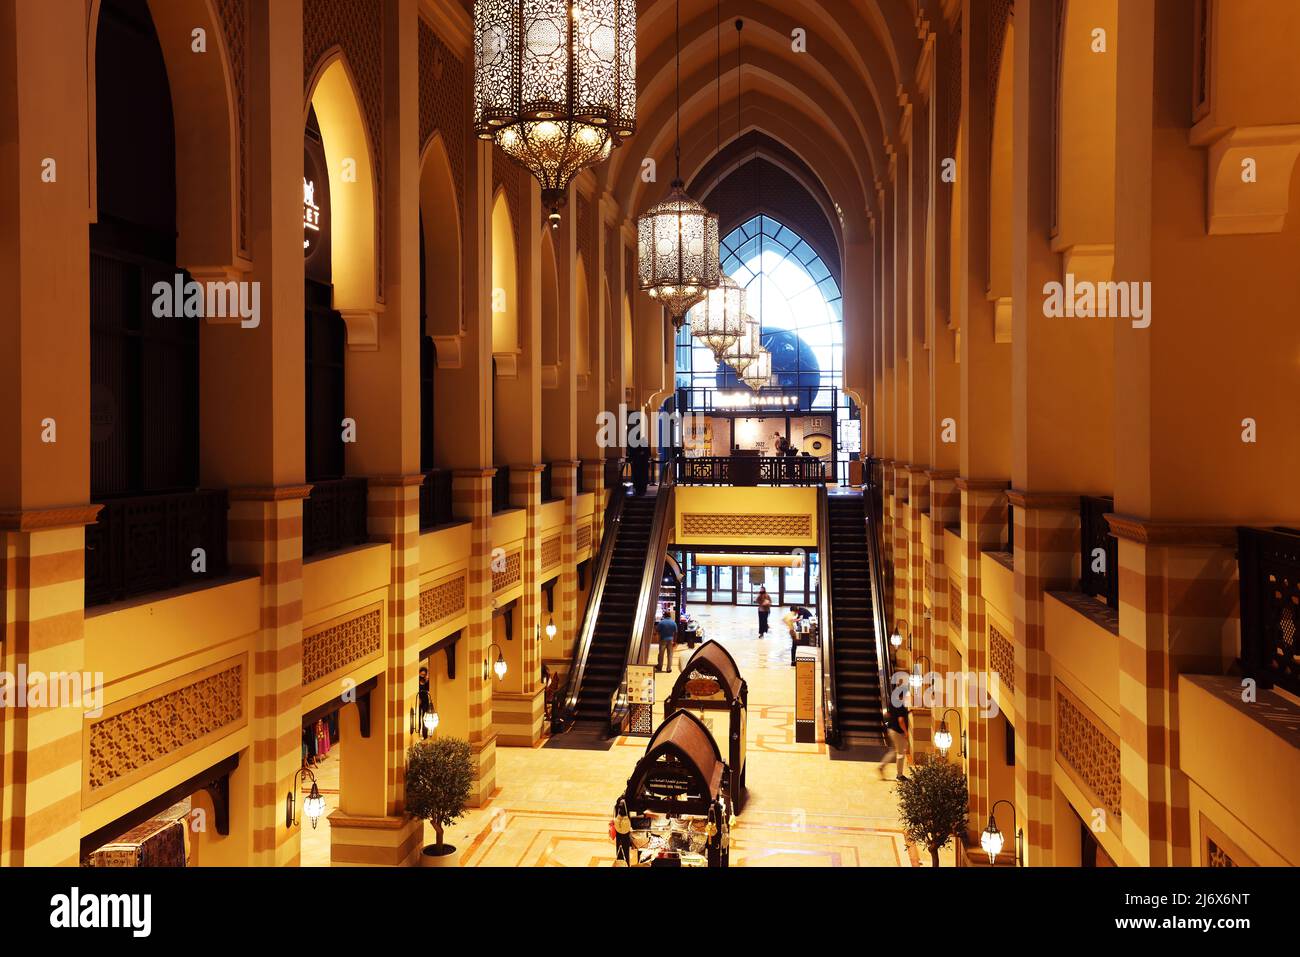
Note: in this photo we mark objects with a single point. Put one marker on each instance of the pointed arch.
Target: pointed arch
(505, 287)
(350, 158)
(206, 119)
(440, 217)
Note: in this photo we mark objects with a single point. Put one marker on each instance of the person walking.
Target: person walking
(764, 602)
(667, 629)
(900, 748)
(640, 457)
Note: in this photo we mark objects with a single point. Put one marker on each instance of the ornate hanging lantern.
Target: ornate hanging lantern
(555, 84)
(677, 241)
(759, 372)
(720, 319)
(741, 354)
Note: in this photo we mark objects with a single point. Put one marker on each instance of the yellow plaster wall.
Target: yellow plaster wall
(1086, 651)
(745, 502)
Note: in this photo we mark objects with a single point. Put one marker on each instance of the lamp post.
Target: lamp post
(943, 737)
(313, 806)
(992, 841)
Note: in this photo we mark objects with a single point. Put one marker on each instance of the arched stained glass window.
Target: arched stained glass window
(795, 296)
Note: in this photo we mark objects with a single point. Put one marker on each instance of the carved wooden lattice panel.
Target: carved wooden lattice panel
(234, 26)
(511, 574)
(703, 524)
(339, 645)
(550, 552)
(357, 28)
(1216, 856)
(583, 539)
(1088, 751)
(1002, 657)
(954, 604)
(442, 98)
(442, 601)
(133, 739)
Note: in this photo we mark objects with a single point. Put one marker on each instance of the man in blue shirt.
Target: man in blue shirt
(667, 629)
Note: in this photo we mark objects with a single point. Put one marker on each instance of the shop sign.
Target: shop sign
(667, 782)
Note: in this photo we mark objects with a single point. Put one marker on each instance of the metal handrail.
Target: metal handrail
(638, 648)
(826, 617)
(884, 666)
(567, 700)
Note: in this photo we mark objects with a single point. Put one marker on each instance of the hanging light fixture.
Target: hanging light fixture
(740, 355)
(759, 373)
(555, 84)
(677, 240)
(313, 804)
(720, 319)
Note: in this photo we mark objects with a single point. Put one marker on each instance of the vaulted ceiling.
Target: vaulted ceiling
(832, 110)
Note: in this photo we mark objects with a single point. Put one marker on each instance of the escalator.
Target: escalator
(855, 687)
(619, 613)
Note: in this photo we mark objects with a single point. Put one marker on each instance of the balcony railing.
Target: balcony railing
(750, 470)
(334, 516)
(1099, 573)
(146, 544)
(1269, 570)
(501, 489)
(435, 499)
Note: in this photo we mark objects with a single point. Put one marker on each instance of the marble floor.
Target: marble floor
(552, 807)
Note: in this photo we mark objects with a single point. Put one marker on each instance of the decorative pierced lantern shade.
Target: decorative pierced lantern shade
(742, 353)
(678, 252)
(720, 319)
(760, 370)
(555, 84)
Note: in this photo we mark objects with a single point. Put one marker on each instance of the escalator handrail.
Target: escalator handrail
(648, 598)
(873, 529)
(826, 617)
(567, 700)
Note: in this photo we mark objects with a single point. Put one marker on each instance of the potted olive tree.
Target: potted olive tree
(438, 777)
(933, 802)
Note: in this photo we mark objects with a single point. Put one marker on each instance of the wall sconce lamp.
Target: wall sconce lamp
(549, 588)
(943, 737)
(499, 666)
(896, 637)
(313, 806)
(991, 840)
(918, 674)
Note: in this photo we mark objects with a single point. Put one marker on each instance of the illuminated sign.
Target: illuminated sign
(747, 400)
(310, 213)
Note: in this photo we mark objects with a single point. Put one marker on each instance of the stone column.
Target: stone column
(945, 510)
(1178, 595)
(1046, 557)
(472, 500)
(983, 518)
(266, 539)
(518, 712)
(568, 615)
(917, 504)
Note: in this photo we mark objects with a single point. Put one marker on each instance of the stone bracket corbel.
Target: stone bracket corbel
(1247, 197)
(448, 351)
(363, 329)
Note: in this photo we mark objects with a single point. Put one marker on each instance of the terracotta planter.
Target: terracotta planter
(449, 858)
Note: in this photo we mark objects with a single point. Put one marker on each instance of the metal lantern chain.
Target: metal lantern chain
(555, 84)
(677, 240)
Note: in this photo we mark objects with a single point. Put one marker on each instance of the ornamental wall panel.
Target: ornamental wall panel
(1002, 657)
(710, 525)
(1088, 750)
(342, 643)
(442, 600)
(146, 732)
(550, 552)
(511, 573)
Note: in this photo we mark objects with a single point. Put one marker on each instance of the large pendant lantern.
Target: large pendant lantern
(555, 84)
(677, 241)
(759, 373)
(740, 355)
(720, 319)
